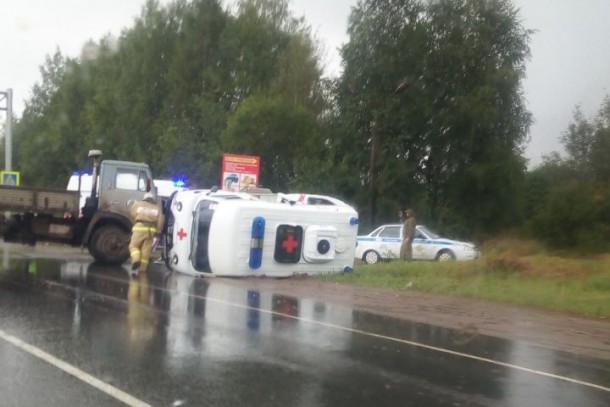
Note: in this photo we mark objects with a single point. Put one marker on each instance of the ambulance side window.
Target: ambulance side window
(200, 236)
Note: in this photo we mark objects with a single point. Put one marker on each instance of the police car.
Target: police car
(384, 244)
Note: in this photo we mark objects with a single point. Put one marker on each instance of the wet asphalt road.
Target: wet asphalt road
(75, 333)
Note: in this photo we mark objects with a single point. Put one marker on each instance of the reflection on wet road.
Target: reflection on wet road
(168, 339)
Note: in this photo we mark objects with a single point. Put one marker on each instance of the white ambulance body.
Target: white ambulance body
(234, 234)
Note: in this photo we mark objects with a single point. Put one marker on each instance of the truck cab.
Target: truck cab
(106, 210)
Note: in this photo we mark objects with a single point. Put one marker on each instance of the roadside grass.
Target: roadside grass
(510, 271)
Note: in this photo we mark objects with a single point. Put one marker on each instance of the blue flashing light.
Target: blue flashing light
(179, 182)
(354, 221)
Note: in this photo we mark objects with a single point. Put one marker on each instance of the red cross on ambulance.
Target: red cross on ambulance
(289, 244)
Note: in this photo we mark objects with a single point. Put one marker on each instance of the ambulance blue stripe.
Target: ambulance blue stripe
(256, 246)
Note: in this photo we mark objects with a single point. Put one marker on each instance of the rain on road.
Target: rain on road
(76, 333)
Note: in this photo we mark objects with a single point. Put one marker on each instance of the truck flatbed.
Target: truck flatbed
(39, 200)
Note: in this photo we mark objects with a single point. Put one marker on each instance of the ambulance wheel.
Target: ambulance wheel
(110, 245)
(371, 257)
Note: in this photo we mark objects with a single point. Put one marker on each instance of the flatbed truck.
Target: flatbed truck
(102, 225)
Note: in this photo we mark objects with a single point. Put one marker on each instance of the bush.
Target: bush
(571, 219)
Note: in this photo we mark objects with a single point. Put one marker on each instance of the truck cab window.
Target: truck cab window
(131, 180)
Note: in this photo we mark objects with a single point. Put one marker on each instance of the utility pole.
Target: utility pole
(372, 178)
(8, 135)
(8, 153)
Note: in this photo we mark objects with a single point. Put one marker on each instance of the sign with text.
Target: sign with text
(239, 172)
(10, 178)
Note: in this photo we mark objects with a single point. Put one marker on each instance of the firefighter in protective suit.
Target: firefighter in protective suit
(147, 220)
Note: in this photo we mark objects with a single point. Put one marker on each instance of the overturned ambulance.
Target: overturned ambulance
(221, 233)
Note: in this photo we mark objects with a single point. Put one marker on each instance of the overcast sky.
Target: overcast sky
(570, 61)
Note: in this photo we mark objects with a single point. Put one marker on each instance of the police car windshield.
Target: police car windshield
(428, 232)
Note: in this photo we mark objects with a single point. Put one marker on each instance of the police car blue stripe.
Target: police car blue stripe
(439, 242)
(383, 239)
(394, 240)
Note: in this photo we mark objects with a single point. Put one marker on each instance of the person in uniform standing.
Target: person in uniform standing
(408, 234)
(147, 220)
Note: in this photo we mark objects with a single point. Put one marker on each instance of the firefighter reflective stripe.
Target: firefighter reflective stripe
(256, 245)
(139, 228)
(147, 213)
(135, 254)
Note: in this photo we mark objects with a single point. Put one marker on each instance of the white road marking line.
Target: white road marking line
(419, 345)
(74, 371)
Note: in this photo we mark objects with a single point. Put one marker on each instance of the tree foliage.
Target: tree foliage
(428, 112)
(165, 90)
(569, 197)
(431, 95)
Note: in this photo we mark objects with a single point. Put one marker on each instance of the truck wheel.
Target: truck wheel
(110, 245)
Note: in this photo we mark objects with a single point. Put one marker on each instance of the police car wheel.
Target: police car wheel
(371, 257)
(445, 255)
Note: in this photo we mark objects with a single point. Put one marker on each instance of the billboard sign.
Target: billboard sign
(239, 172)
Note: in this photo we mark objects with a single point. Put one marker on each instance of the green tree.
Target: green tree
(40, 128)
(280, 133)
(572, 217)
(278, 95)
(379, 128)
(165, 90)
(600, 149)
(432, 96)
(568, 199)
(578, 142)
